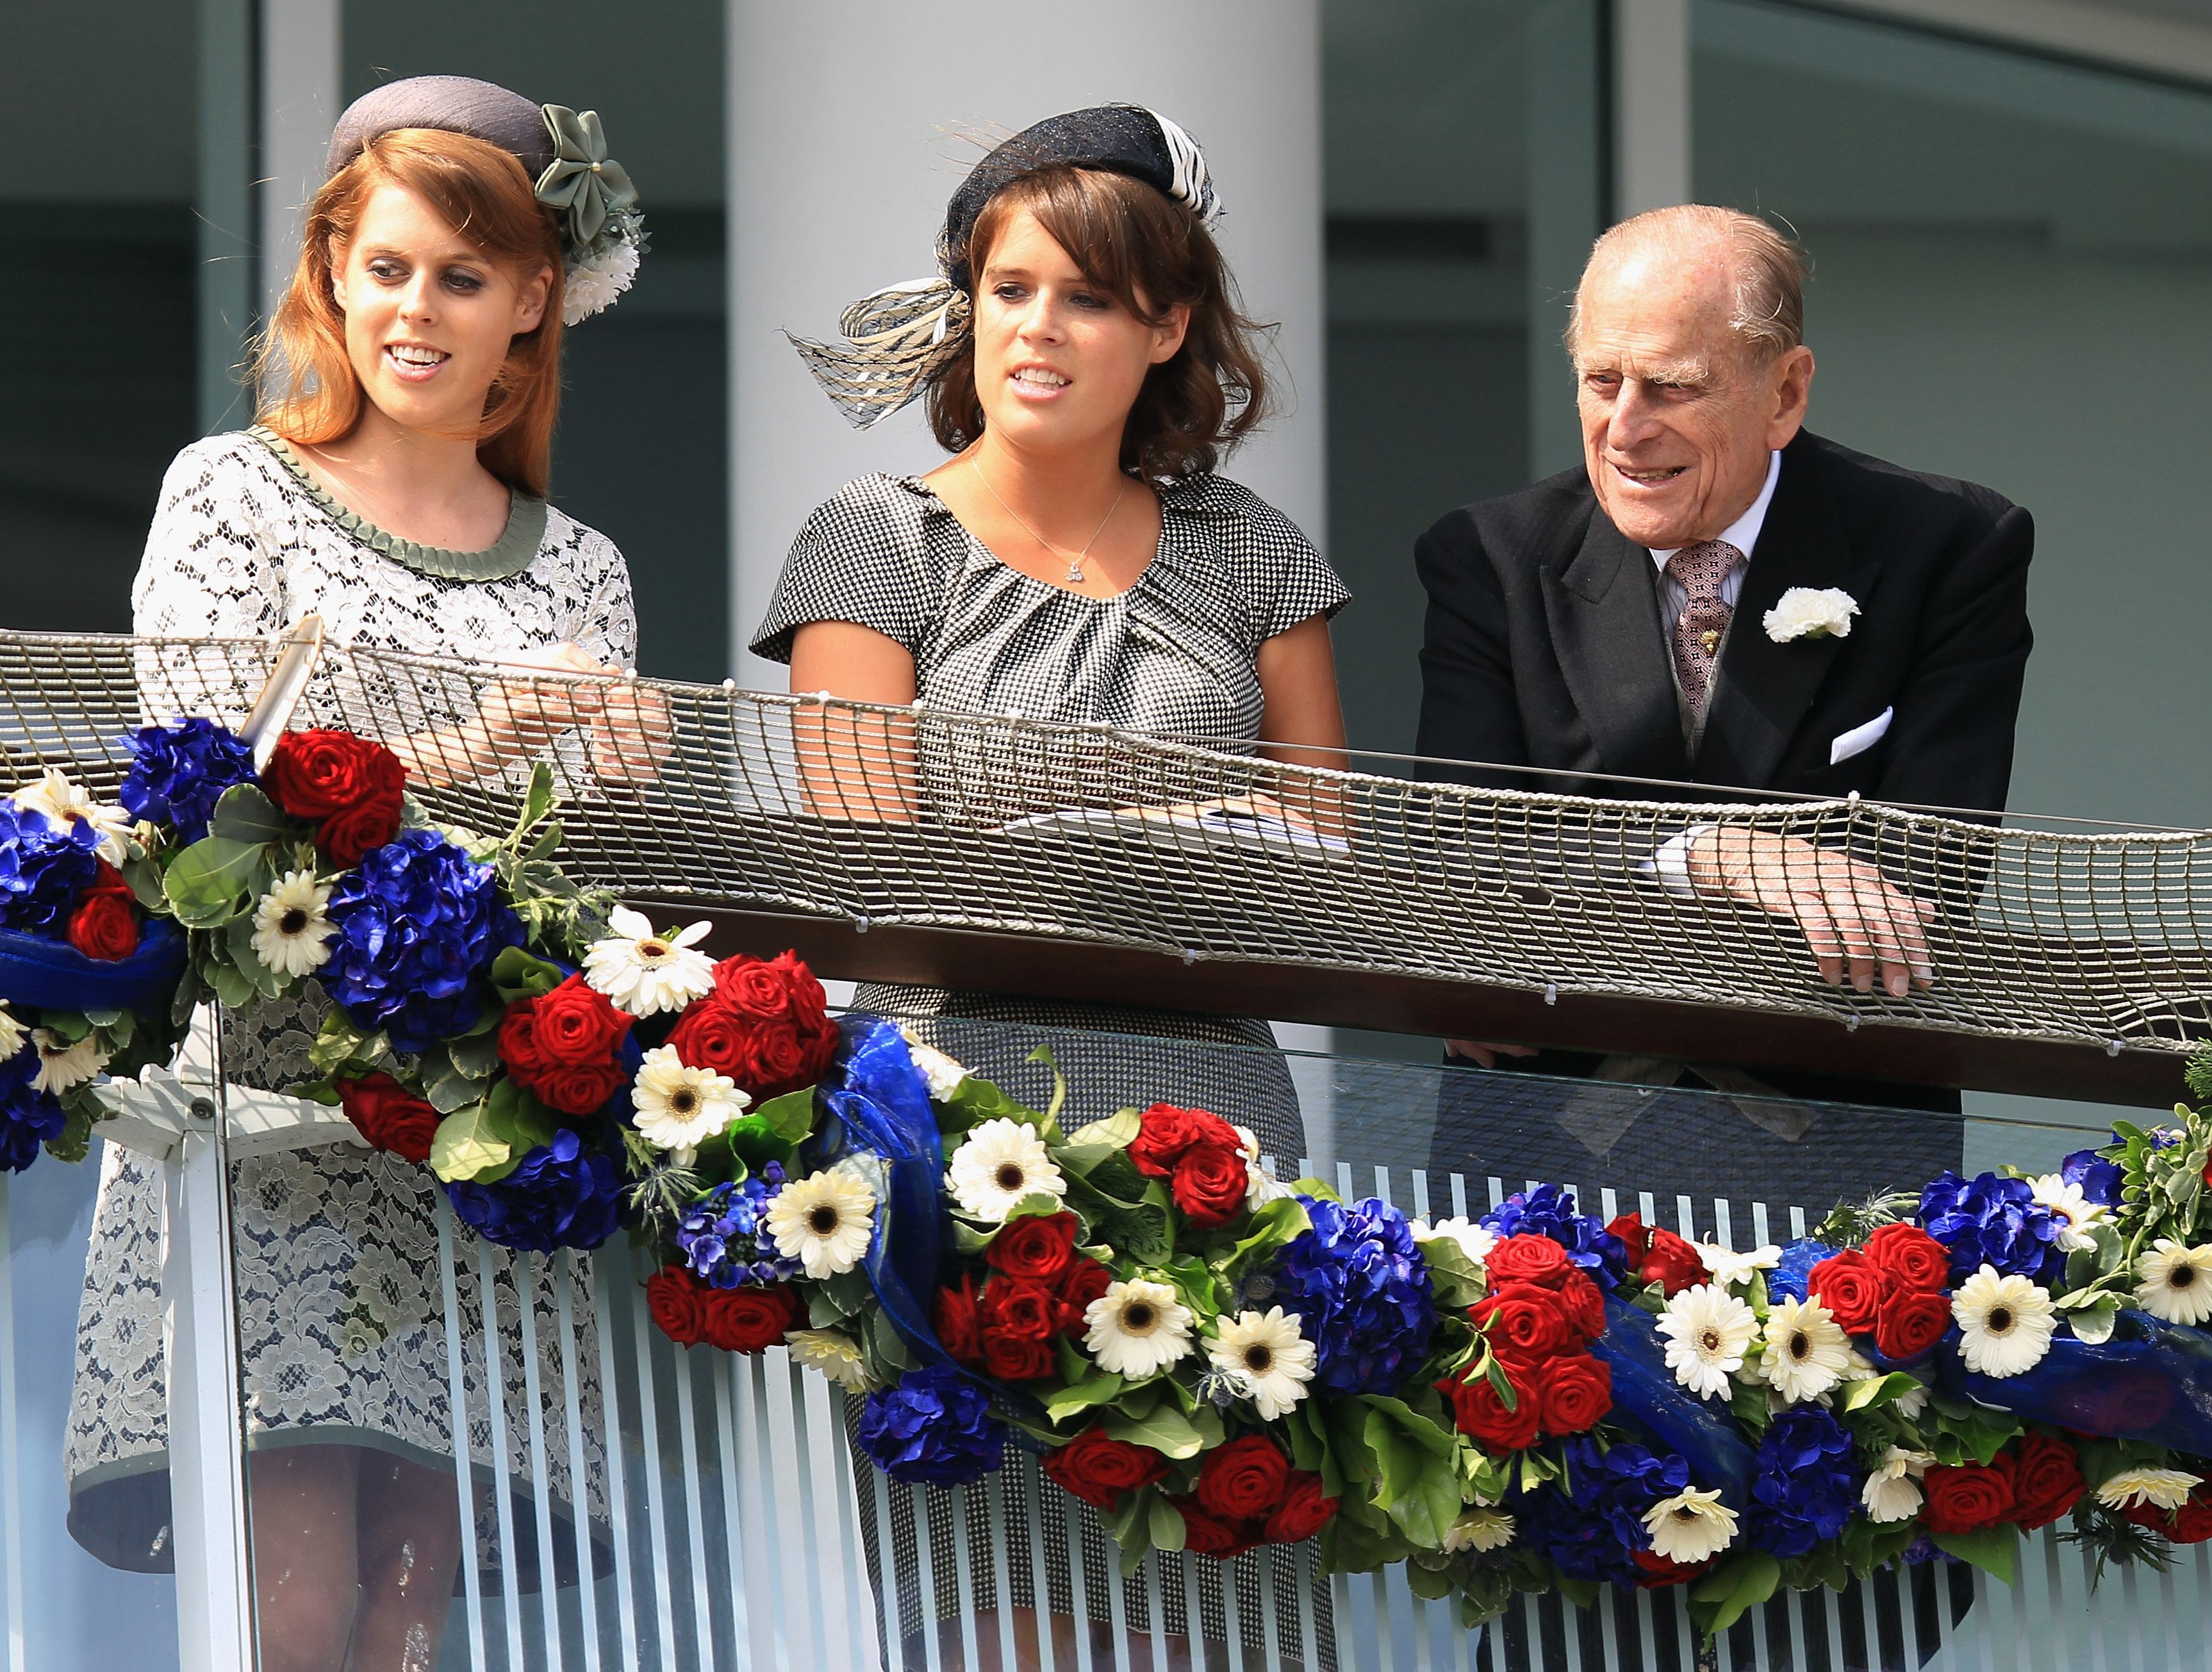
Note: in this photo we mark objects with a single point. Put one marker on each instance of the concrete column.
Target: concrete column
(223, 206)
(851, 122)
(301, 53)
(1651, 104)
(1567, 208)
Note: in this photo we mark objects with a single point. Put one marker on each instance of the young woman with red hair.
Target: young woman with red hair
(394, 484)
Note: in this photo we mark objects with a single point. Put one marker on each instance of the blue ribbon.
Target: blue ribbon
(2152, 1381)
(1645, 1390)
(53, 975)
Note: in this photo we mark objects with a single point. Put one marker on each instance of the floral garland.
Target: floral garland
(1534, 1401)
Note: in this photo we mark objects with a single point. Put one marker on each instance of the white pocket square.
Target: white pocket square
(1860, 738)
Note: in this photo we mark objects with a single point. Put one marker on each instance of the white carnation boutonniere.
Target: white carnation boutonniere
(1807, 612)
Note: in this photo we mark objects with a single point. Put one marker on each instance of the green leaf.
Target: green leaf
(1876, 1390)
(1165, 1428)
(1989, 1549)
(1100, 1390)
(1117, 1129)
(1164, 1522)
(245, 814)
(1457, 1281)
(446, 1087)
(1420, 1496)
(238, 950)
(2094, 1324)
(1733, 1589)
(536, 800)
(337, 1043)
(475, 1055)
(468, 1145)
(791, 1117)
(517, 974)
(210, 882)
(1275, 1225)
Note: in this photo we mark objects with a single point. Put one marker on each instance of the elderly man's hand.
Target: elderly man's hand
(1857, 922)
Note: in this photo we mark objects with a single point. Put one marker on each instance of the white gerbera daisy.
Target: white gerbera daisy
(1479, 1530)
(824, 1221)
(643, 973)
(1892, 1491)
(1137, 1328)
(940, 1073)
(1260, 1186)
(1002, 1162)
(62, 1066)
(1806, 1350)
(1690, 1526)
(1266, 1355)
(2004, 1322)
(2167, 1488)
(1730, 1270)
(291, 934)
(1708, 1331)
(832, 1352)
(2066, 1201)
(12, 1034)
(2176, 1282)
(680, 1107)
(1475, 1238)
(55, 794)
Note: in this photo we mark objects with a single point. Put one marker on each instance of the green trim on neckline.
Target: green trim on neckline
(516, 549)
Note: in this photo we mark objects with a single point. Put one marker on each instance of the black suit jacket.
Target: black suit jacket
(1545, 648)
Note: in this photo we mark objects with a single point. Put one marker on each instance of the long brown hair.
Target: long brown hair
(305, 384)
(1148, 253)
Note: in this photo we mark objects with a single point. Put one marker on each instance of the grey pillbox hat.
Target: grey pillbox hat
(456, 104)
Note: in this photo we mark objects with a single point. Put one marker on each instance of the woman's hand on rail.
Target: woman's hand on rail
(1485, 1054)
(631, 735)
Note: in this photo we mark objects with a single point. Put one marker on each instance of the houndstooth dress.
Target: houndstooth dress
(1177, 653)
(341, 1320)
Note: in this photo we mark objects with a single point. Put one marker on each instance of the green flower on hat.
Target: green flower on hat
(582, 182)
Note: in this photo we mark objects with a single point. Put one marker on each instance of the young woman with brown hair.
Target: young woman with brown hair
(1085, 361)
(394, 485)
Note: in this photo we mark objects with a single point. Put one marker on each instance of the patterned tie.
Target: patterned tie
(1699, 571)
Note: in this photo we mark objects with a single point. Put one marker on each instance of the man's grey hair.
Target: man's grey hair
(1770, 270)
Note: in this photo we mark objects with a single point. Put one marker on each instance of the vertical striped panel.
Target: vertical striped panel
(11, 1451)
(605, 1265)
(653, 1484)
(502, 1464)
(458, 1408)
(529, 1270)
(572, 1411)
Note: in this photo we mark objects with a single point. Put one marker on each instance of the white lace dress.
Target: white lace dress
(342, 1319)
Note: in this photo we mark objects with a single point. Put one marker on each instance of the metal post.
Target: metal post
(1651, 104)
(227, 29)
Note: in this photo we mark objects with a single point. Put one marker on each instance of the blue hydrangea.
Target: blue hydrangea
(1988, 1221)
(724, 1237)
(562, 1195)
(1786, 1281)
(179, 771)
(1805, 1484)
(1549, 1211)
(1592, 1529)
(1361, 1290)
(933, 1425)
(2100, 1179)
(28, 1118)
(45, 868)
(418, 923)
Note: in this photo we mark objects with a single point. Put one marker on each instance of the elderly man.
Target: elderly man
(1609, 624)
(1609, 621)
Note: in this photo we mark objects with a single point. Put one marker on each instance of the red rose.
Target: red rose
(1910, 1322)
(1025, 1311)
(1910, 1255)
(952, 1315)
(1165, 1132)
(1243, 1479)
(2189, 1524)
(1478, 1410)
(780, 987)
(1635, 1236)
(391, 1118)
(104, 925)
(1582, 1305)
(1967, 1496)
(2046, 1481)
(1011, 1358)
(1209, 1184)
(1671, 1261)
(1204, 1535)
(1523, 1320)
(1099, 1470)
(1039, 1248)
(561, 1047)
(351, 785)
(1526, 1259)
(1086, 1280)
(749, 1320)
(676, 1300)
(1850, 1286)
(766, 1056)
(1660, 1571)
(1305, 1510)
(1573, 1393)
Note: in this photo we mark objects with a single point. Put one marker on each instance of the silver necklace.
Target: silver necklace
(1074, 561)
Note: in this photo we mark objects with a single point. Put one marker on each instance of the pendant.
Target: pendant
(1074, 573)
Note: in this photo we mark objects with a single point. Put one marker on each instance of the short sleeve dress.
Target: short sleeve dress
(341, 1316)
(1177, 653)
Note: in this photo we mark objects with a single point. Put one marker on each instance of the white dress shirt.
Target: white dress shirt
(1742, 534)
